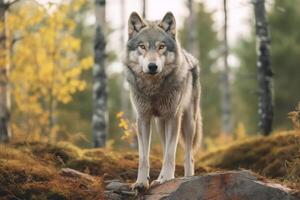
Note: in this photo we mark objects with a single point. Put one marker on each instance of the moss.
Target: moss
(119, 165)
(32, 170)
(268, 156)
(56, 154)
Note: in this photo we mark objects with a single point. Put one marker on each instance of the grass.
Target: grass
(32, 170)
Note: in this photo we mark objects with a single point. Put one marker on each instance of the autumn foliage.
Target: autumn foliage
(45, 67)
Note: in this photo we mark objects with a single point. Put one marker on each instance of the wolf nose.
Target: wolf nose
(152, 68)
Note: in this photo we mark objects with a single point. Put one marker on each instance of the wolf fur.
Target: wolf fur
(164, 85)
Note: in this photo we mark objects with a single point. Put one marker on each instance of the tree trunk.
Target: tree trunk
(144, 10)
(4, 84)
(99, 120)
(264, 70)
(124, 92)
(226, 114)
(192, 33)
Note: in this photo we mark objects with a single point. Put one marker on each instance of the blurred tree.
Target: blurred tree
(285, 58)
(4, 83)
(99, 87)
(264, 70)
(144, 9)
(225, 88)
(46, 68)
(114, 104)
(245, 85)
(80, 109)
(208, 44)
(125, 104)
(192, 33)
(283, 17)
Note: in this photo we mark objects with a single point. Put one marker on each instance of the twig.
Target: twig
(9, 4)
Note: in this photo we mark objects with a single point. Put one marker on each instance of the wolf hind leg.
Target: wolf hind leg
(161, 128)
(160, 125)
(188, 134)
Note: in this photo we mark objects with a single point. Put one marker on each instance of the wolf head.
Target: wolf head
(152, 47)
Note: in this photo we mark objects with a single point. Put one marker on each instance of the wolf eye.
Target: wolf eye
(142, 46)
(161, 46)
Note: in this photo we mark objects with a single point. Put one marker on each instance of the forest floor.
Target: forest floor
(34, 170)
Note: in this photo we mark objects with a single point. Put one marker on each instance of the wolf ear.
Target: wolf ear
(168, 24)
(135, 24)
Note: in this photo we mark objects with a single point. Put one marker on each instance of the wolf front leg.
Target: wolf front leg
(142, 182)
(172, 127)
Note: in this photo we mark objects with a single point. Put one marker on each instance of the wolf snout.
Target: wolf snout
(152, 68)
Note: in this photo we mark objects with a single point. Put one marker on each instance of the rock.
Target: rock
(111, 180)
(118, 187)
(116, 190)
(231, 185)
(110, 195)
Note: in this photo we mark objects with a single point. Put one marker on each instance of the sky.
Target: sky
(238, 13)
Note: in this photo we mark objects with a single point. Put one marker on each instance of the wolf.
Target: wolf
(164, 86)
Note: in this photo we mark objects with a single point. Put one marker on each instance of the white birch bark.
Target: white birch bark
(264, 70)
(99, 120)
(4, 82)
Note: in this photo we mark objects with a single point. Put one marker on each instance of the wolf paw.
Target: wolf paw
(140, 186)
(155, 183)
(159, 181)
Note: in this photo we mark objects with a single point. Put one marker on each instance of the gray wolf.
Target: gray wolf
(164, 86)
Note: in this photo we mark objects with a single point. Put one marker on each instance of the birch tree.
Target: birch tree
(124, 92)
(99, 120)
(4, 83)
(144, 8)
(264, 70)
(226, 115)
